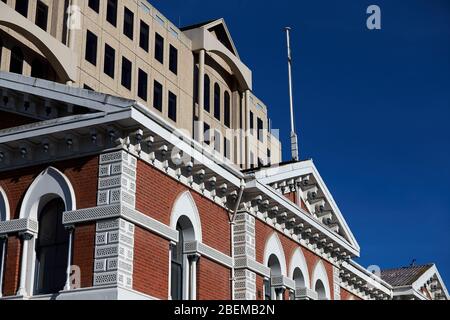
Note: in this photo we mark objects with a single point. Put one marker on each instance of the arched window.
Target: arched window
(299, 279)
(177, 267)
(217, 95)
(16, 63)
(38, 69)
(275, 271)
(227, 109)
(320, 289)
(52, 247)
(207, 94)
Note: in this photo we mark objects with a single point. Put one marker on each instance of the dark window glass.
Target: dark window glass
(16, 63)
(110, 61)
(207, 134)
(172, 107)
(91, 48)
(22, 7)
(144, 36)
(269, 157)
(173, 59)
(227, 109)
(38, 69)
(260, 130)
(142, 85)
(252, 122)
(111, 12)
(41, 15)
(267, 290)
(94, 5)
(126, 73)
(217, 101)
(196, 75)
(176, 282)
(158, 96)
(227, 148)
(51, 249)
(207, 94)
(159, 48)
(128, 23)
(217, 141)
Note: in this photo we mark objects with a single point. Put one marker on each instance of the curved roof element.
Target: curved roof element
(62, 59)
(214, 37)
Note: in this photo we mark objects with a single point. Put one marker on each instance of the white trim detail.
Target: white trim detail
(320, 273)
(4, 206)
(18, 226)
(185, 206)
(298, 261)
(52, 183)
(204, 250)
(274, 247)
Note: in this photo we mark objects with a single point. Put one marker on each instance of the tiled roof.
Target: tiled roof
(404, 276)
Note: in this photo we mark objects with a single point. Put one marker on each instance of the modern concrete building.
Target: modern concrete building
(136, 163)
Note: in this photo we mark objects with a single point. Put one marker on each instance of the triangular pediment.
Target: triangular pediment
(315, 197)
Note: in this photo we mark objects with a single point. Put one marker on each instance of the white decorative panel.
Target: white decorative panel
(336, 283)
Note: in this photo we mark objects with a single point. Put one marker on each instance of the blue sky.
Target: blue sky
(372, 109)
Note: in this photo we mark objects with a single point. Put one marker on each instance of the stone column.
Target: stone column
(193, 260)
(67, 286)
(26, 238)
(3, 240)
(201, 96)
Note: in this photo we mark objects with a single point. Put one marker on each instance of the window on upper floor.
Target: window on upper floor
(94, 5)
(207, 94)
(38, 69)
(159, 48)
(252, 122)
(142, 84)
(269, 157)
(110, 61)
(173, 59)
(111, 12)
(128, 23)
(91, 48)
(260, 130)
(227, 148)
(227, 109)
(41, 15)
(158, 96)
(217, 94)
(16, 62)
(22, 7)
(207, 133)
(217, 141)
(144, 36)
(172, 107)
(267, 290)
(126, 73)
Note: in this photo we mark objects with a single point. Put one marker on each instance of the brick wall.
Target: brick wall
(151, 264)
(213, 281)
(346, 295)
(83, 252)
(156, 195)
(263, 233)
(12, 267)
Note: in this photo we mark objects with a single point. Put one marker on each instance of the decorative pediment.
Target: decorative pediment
(304, 179)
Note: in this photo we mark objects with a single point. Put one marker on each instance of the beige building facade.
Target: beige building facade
(193, 77)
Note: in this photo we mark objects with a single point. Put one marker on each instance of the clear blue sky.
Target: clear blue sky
(373, 109)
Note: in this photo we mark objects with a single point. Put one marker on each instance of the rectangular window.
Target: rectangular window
(111, 12)
(159, 48)
(227, 148)
(207, 134)
(128, 23)
(269, 157)
(22, 7)
(158, 96)
(217, 141)
(260, 130)
(227, 109)
(173, 60)
(94, 5)
(172, 107)
(142, 85)
(126, 73)
(110, 61)
(252, 122)
(144, 36)
(41, 15)
(91, 48)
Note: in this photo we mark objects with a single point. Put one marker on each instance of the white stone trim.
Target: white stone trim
(50, 182)
(274, 247)
(298, 261)
(185, 205)
(19, 226)
(204, 250)
(4, 206)
(252, 265)
(320, 273)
